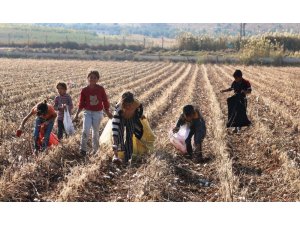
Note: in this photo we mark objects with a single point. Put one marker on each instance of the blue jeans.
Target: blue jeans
(91, 119)
(49, 127)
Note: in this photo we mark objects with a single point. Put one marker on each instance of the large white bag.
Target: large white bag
(178, 139)
(106, 138)
(68, 124)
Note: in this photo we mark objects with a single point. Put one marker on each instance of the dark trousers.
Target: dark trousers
(198, 130)
(237, 108)
(60, 129)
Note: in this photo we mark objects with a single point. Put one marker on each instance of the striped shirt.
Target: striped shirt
(120, 134)
(59, 101)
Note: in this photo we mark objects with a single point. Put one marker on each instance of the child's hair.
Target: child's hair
(237, 74)
(188, 110)
(95, 72)
(127, 97)
(62, 84)
(42, 108)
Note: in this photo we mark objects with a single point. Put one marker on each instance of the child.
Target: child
(93, 100)
(192, 116)
(127, 115)
(61, 102)
(45, 115)
(237, 104)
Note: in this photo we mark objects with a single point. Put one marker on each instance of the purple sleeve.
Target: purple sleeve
(56, 108)
(71, 106)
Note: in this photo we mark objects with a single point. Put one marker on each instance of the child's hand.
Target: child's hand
(18, 132)
(64, 106)
(110, 116)
(175, 130)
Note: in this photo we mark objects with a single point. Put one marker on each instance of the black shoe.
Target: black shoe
(83, 153)
(188, 156)
(203, 160)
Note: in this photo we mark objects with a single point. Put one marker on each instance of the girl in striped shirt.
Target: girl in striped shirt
(61, 102)
(126, 118)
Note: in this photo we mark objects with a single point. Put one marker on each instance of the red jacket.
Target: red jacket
(93, 99)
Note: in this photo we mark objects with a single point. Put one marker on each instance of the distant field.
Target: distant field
(260, 164)
(25, 33)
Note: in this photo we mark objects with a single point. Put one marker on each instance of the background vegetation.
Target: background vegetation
(196, 40)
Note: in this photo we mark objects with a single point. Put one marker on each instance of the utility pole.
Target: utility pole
(162, 42)
(144, 42)
(242, 30)
(27, 39)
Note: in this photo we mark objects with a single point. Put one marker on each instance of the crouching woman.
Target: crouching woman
(126, 123)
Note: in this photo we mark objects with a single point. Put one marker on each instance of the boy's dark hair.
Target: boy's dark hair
(62, 84)
(95, 72)
(127, 97)
(237, 73)
(42, 108)
(188, 110)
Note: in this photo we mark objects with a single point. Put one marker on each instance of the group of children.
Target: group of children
(93, 100)
(126, 117)
(46, 115)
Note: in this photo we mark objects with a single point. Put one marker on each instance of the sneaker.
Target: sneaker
(94, 152)
(117, 160)
(82, 153)
(35, 152)
(236, 130)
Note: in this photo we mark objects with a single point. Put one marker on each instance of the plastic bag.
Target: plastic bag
(68, 124)
(106, 137)
(178, 139)
(146, 143)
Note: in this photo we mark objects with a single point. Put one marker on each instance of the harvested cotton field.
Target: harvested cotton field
(261, 163)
